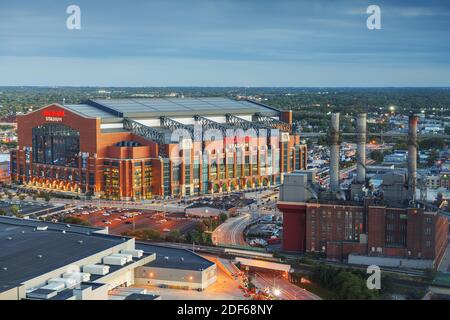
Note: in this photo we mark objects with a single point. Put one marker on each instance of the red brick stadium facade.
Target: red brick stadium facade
(60, 148)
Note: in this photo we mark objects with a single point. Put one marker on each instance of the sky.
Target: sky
(253, 43)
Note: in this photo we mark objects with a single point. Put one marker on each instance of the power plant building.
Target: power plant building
(385, 225)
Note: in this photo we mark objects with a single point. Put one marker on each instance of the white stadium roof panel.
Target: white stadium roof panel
(113, 109)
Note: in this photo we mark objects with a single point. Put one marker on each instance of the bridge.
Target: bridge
(377, 134)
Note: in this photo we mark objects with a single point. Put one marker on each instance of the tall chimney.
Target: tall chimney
(361, 138)
(412, 157)
(334, 152)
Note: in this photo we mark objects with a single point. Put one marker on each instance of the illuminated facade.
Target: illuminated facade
(137, 149)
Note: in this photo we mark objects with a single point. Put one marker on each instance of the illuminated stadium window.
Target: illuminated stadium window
(56, 144)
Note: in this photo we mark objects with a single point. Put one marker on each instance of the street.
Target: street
(278, 283)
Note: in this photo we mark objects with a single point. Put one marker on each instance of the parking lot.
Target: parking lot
(28, 208)
(120, 221)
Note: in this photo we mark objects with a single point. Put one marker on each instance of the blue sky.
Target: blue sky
(225, 43)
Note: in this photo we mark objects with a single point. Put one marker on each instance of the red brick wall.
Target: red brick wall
(294, 227)
(376, 227)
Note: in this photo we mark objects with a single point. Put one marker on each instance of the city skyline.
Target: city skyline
(225, 43)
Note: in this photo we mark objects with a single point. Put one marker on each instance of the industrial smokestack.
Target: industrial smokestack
(334, 152)
(361, 120)
(412, 157)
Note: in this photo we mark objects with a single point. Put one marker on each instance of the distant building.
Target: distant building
(398, 157)
(5, 175)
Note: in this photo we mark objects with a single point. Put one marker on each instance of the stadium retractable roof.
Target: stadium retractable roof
(157, 107)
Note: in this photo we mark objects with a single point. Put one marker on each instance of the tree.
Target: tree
(173, 236)
(76, 220)
(447, 130)
(22, 197)
(2, 212)
(430, 273)
(151, 234)
(401, 146)
(15, 210)
(433, 157)
(223, 217)
(377, 156)
(431, 143)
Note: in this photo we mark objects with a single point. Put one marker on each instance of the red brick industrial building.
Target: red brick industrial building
(341, 229)
(127, 149)
(387, 224)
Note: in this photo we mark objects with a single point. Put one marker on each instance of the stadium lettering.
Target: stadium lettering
(53, 113)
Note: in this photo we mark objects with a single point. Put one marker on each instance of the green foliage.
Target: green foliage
(2, 212)
(147, 234)
(76, 220)
(377, 156)
(434, 155)
(346, 285)
(223, 217)
(173, 236)
(430, 273)
(431, 143)
(401, 145)
(15, 210)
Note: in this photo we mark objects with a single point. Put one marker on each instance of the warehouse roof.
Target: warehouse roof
(174, 258)
(27, 252)
(113, 109)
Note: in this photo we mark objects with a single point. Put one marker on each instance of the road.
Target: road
(273, 281)
(377, 134)
(231, 231)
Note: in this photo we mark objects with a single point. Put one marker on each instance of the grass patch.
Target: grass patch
(317, 290)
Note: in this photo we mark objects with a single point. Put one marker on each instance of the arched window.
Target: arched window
(56, 144)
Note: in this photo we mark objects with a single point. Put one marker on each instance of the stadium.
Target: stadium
(137, 149)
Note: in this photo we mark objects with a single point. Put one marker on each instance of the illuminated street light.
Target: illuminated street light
(276, 292)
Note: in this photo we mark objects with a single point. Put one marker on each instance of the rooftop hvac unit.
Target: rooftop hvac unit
(79, 276)
(42, 228)
(134, 252)
(115, 261)
(41, 294)
(128, 257)
(56, 286)
(97, 269)
(68, 282)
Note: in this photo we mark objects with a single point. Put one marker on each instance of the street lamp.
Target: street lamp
(276, 292)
